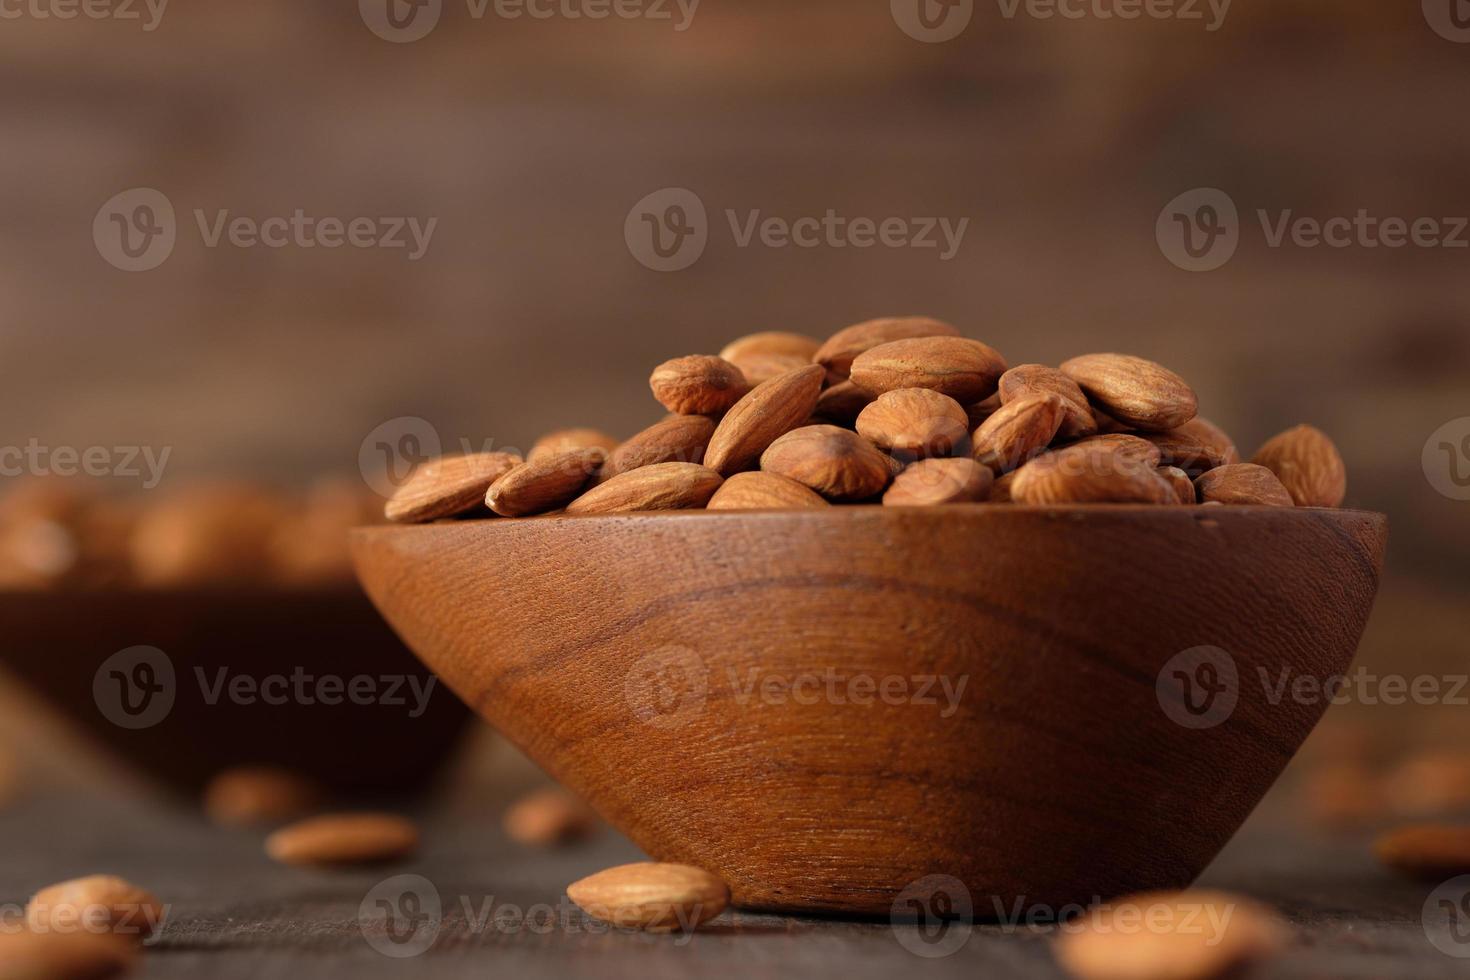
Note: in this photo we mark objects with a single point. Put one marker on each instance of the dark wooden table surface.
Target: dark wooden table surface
(234, 914)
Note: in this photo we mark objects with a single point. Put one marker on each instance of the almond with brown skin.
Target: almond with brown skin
(1106, 424)
(837, 354)
(1078, 475)
(100, 903)
(965, 370)
(448, 486)
(763, 367)
(836, 463)
(1429, 851)
(977, 413)
(676, 439)
(1038, 379)
(935, 482)
(71, 955)
(662, 486)
(1189, 935)
(651, 897)
(914, 422)
(1307, 463)
(764, 491)
(1018, 431)
(1134, 391)
(1180, 483)
(1000, 490)
(1195, 447)
(1133, 446)
(565, 440)
(1242, 484)
(248, 796)
(841, 404)
(546, 484)
(772, 342)
(347, 838)
(770, 410)
(698, 385)
(549, 818)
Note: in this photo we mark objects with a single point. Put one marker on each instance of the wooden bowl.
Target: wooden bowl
(62, 645)
(662, 667)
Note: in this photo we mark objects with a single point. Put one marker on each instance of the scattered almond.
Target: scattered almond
(1189, 935)
(763, 367)
(1038, 379)
(841, 404)
(254, 795)
(1242, 484)
(1134, 391)
(1430, 783)
(934, 482)
(542, 485)
(1180, 483)
(565, 440)
(95, 904)
(770, 410)
(662, 486)
(698, 385)
(1343, 795)
(1308, 465)
(448, 486)
(1429, 851)
(836, 463)
(764, 491)
(1018, 431)
(676, 439)
(28, 955)
(914, 422)
(340, 839)
(651, 897)
(838, 353)
(1082, 475)
(965, 370)
(549, 817)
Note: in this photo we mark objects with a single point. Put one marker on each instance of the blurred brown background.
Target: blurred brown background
(529, 140)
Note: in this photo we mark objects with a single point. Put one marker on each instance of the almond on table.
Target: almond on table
(252, 795)
(99, 903)
(344, 839)
(1428, 851)
(548, 818)
(651, 897)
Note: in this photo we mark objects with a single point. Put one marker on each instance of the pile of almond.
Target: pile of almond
(901, 411)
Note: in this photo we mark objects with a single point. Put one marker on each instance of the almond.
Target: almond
(1190, 935)
(841, 404)
(676, 439)
(965, 370)
(1134, 391)
(651, 897)
(836, 463)
(68, 955)
(764, 491)
(772, 343)
(251, 795)
(1038, 379)
(1106, 424)
(697, 385)
(447, 486)
(1000, 490)
(838, 353)
(1195, 447)
(549, 817)
(565, 440)
(914, 422)
(662, 486)
(348, 838)
(1180, 483)
(763, 367)
(770, 410)
(933, 482)
(1019, 430)
(1082, 475)
(1244, 484)
(982, 410)
(1307, 463)
(98, 903)
(1430, 851)
(1134, 447)
(1429, 783)
(545, 484)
